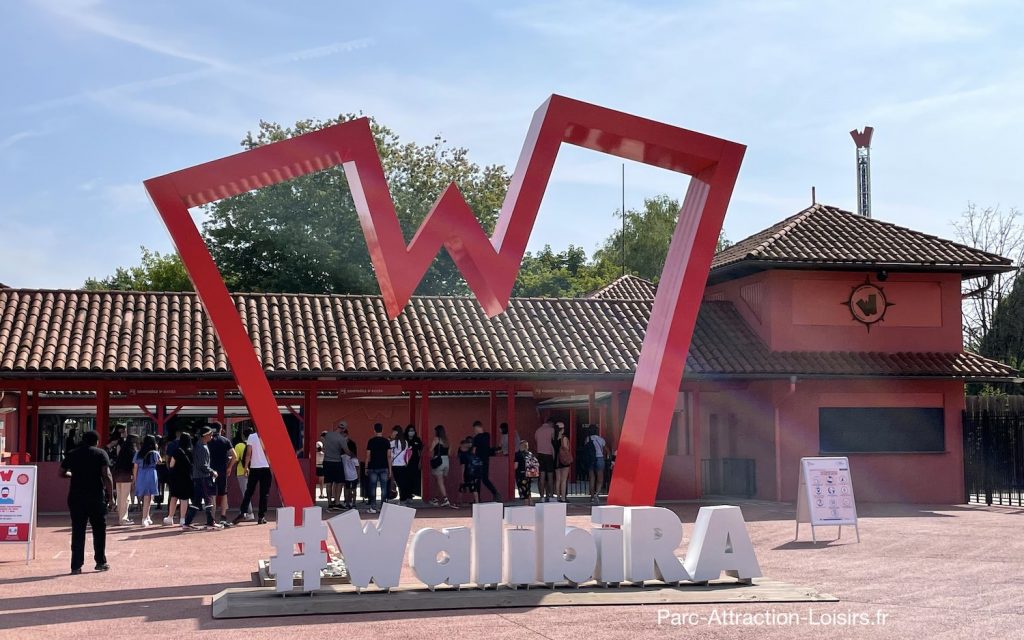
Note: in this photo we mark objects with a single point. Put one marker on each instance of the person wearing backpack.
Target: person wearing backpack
(597, 453)
(527, 468)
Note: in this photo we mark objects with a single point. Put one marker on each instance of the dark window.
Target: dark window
(851, 430)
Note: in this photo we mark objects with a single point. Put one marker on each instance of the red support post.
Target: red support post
(591, 407)
(512, 442)
(23, 424)
(412, 406)
(220, 406)
(695, 434)
(309, 439)
(613, 423)
(494, 416)
(103, 415)
(426, 434)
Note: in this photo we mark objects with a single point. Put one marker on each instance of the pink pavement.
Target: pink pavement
(935, 572)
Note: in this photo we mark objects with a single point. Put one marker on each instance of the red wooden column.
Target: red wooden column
(494, 416)
(512, 442)
(613, 423)
(591, 407)
(412, 407)
(103, 414)
(695, 421)
(220, 406)
(309, 437)
(426, 434)
(23, 424)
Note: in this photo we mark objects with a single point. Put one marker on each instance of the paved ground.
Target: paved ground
(932, 572)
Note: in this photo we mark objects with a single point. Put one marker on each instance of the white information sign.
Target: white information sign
(825, 495)
(18, 506)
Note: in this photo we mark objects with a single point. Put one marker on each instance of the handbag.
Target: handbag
(564, 456)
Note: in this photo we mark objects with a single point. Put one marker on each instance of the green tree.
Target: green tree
(546, 274)
(648, 233)
(1004, 341)
(304, 235)
(155, 272)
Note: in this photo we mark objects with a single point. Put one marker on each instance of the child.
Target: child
(350, 464)
(527, 468)
(321, 489)
(470, 483)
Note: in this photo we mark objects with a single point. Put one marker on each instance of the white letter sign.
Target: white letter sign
(720, 543)
(374, 552)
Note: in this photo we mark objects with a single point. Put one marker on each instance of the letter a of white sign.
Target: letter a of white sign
(566, 553)
(487, 543)
(441, 556)
(652, 535)
(374, 552)
(721, 543)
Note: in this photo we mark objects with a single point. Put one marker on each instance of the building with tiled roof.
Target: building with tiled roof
(628, 287)
(824, 334)
(827, 238)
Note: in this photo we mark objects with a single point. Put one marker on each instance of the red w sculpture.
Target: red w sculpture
(489, 265)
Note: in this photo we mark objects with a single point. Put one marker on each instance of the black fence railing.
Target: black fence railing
(994, 457)
(728, 477)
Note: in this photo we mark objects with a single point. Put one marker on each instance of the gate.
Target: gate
(994, 457)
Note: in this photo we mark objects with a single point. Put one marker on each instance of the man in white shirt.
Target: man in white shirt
(259, 474)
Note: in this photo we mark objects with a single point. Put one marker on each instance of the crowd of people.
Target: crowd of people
(192, 471)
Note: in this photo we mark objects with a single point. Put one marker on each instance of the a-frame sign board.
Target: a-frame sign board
(825, 495)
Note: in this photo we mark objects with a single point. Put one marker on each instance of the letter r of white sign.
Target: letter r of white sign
(374, 552)
(721, 543)
(652, 535)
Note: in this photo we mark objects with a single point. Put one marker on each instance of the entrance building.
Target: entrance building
(827, 333)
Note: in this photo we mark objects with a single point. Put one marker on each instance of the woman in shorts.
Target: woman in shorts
(321, 490)
(439, 456)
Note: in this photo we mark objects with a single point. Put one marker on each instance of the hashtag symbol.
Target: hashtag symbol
(311, 536)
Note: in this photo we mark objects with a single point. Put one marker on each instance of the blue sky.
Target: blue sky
(102, 95)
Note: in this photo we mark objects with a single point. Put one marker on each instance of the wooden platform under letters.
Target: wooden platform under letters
(263, 602)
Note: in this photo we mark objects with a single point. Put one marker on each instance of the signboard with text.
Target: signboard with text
(825, 495)
(17, 503)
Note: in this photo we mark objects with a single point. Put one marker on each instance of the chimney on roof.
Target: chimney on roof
(863, 141)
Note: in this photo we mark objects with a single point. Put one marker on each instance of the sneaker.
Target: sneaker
(189, 527)
(436, 502)
(444, 503)
(225, 523)
(213, 527)
(262, 521)
(76, 572)
(126, 521)
(241, 517)
(169, 521)
(371, 510)
(103, 566)
(147, 522)
(547, 498)
(249, 517)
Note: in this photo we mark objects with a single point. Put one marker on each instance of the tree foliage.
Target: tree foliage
(648, 233)
(155, 272)
(546, 274)
(997, 231)
(304, 235)
(1004, 341)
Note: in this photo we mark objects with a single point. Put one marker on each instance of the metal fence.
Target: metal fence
(994, 457)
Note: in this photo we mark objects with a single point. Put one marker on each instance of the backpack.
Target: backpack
(532, 465)
(586, 455)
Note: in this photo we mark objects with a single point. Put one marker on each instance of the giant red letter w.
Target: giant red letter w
(489, 265)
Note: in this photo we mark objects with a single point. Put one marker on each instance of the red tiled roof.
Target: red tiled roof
(827, 237)
(628, 287)
(139, 334)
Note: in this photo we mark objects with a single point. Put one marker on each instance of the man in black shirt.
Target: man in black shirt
(222, 458)
(378, 466)
(482, 450)
(89, 498)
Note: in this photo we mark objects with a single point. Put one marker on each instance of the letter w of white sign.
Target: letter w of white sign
(374, 552)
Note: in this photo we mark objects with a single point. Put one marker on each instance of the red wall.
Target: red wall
(935, 478)
(803, 311)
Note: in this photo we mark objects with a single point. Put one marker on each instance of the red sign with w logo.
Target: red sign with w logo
(489, 265)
